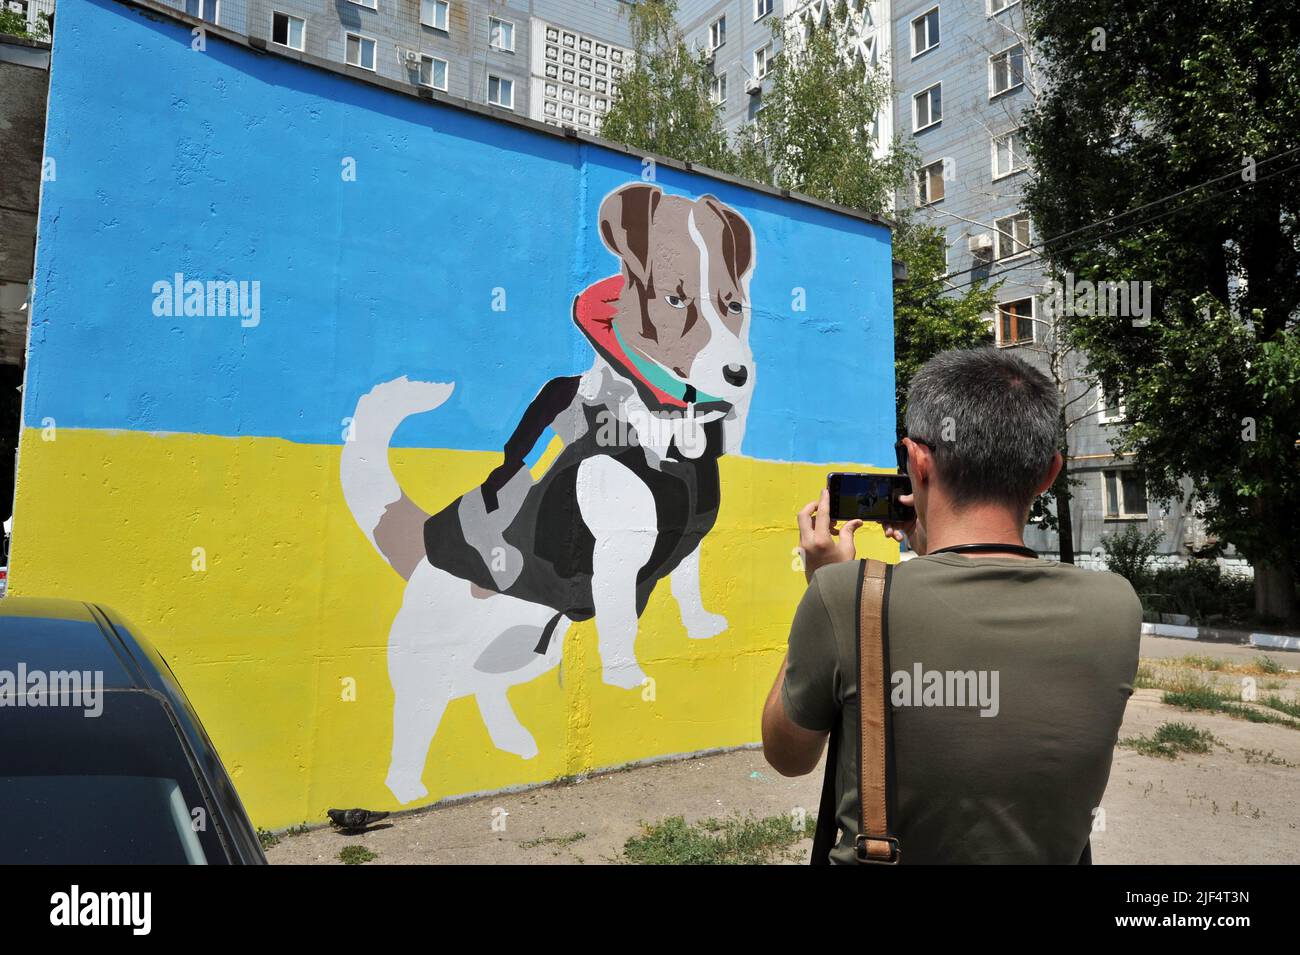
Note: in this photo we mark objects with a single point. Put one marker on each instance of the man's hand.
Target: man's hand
(912, 532)
(820, 542)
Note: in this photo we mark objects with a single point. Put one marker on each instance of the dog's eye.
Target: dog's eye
(735, 308)
(676, 301)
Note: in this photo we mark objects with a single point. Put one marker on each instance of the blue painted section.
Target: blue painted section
(227, 164)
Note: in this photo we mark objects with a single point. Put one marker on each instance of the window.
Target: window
(929, 183)
(927, 108)
(501, 91)
(717, 33)
(925, 32)
(287, 31)
(433, 72)
(762, 8)
(1012, 235)
(372, 4)
(209, 10)
(1009, 153)
(1006, 70)
(501, 34)
(997, 6)
(1110, 405)
(360, 51)
(433, 13)
(718, 89)
(1016, 322)
(762, 61)
(1126, 494)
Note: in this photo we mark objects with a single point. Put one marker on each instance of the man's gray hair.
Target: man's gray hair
(993, 421)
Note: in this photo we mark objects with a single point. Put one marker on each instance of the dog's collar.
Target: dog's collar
(659, 376)
(593, 313)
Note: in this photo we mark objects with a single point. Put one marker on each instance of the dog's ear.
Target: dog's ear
(737, 238)
(626, 216)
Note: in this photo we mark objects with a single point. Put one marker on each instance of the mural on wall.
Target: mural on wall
(496, 577)
(481, 472)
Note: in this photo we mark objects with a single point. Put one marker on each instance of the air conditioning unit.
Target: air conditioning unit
(980, 245)
(412, 58)
(753, 87)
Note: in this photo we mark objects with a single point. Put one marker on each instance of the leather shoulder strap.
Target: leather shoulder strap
(876, 842)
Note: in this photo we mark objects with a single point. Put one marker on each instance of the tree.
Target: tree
(1183, 110)
(663, 104)
(14, 23)
(816, 132)
(927, 320)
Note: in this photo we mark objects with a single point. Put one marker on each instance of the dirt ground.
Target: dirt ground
(1235, 804)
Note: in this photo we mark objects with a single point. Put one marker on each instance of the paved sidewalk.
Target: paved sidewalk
(1235, 804)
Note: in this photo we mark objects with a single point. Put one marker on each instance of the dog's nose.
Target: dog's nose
(735, 374)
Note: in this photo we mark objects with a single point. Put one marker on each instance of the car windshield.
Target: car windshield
(114, 788)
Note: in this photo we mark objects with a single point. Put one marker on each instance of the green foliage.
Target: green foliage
(1129, 554)
(1185, 92)
(1171, 740)
(1202, 591)
(663, 103)
(13, 23)
(736, 840)
(926, 321)
(356, 855)
(815, 133)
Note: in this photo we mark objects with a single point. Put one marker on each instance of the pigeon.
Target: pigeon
(353, 820)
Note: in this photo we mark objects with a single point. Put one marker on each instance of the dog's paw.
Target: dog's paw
(704, 625)
(405, 788)
(627, 676)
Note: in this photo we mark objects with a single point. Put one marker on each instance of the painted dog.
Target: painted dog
(495, 578)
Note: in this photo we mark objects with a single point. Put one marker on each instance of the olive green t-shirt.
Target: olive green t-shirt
(1007, 679)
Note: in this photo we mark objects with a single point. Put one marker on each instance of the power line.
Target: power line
(1128, 212)
(1036, 258)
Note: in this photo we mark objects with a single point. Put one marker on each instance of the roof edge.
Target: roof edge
(257, 45)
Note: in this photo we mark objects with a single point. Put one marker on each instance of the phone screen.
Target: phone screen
(869, 497)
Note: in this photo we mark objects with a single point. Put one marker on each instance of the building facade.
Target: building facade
(963, 73)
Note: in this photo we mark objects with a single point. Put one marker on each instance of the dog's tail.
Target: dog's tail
(390, 520)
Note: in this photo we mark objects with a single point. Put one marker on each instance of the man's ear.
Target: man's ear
(919, 462)
(1053, 470)
(626, 217)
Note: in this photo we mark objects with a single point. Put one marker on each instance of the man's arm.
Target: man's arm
(789, 748)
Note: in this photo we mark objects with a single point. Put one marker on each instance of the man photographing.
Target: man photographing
(1011, 773)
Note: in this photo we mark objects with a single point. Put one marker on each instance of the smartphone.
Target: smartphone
(869, 497)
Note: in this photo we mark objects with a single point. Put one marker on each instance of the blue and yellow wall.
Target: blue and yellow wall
(185, 469)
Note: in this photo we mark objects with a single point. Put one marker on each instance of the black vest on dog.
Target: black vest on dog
(557, 546)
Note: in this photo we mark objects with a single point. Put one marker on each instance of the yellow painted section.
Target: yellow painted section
(239, 560)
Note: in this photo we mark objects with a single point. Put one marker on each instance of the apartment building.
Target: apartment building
(963, 73)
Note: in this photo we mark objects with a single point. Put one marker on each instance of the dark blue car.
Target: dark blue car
(102, 758)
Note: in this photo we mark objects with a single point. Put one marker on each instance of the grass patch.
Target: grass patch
(1282, 706)
(267, 838)
(1171, 740)
(356, 855)
(1146, 678)
(554, 840)
(1200, 662)
(1267, 665)
(736, 840)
